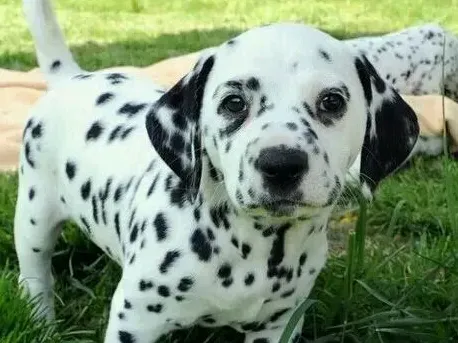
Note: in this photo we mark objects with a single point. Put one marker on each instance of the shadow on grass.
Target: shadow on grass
(92, 55)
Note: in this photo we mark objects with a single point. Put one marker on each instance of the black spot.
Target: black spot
(308, 109)
(127, 304)
(37, 131)
(261, 340)
(227, 282)
(121, 315)
(153, 186)
(289, 275)
(169, 259)
(200, 245)
(275, 287)
(210, 234)
(254, 327)
(209, 320)
(31, 193)
(263, 107)
(132, 216)
(115, 133)
(302, 259)
(278, 314)
(326, 157)
(157, 308)
(82, 76)
(231, 42)
(33, 222)
(277, 252)
(179, 194)
(28, 156)
(103, 198)
(246, 249)
(127, 132)
(131, 110)
(117, 226)
(288, 293)
(219, 216)
(94, 131)
(116, 78)
(70, 170)
(235, 242)
(145, 285)
(224, 271)
(196, 214)
(134, 234)
(228, 146)
(55, 65)
(185, 284)
(325, 55)
(86, 190)
(103, 98)
(249, 279)
(163, 291)
(179, 298)
(291, 126)
(95, 210)
(161, 226)
(253, 84)
(36, 250)
(126, 337)
(429, 35)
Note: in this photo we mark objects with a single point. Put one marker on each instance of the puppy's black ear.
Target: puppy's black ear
(173, 124)
(392, 128)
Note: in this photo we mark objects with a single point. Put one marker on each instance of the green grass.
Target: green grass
(401, 288)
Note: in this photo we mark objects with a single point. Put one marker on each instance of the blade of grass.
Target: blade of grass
(297, 315)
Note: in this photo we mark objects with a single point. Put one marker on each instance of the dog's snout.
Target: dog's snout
(282, 167)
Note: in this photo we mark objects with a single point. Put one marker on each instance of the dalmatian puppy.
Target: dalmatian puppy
(213, 196)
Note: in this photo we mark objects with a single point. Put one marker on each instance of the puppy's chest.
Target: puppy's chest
(254, 277)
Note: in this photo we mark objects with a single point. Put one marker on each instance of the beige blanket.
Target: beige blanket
(19, 91)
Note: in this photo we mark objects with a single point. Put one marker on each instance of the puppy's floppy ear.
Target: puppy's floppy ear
(173, 124)
(392, 128)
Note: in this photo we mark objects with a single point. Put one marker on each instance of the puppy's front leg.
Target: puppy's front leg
(133, 321)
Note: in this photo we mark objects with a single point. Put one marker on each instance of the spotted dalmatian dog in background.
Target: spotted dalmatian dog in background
(213, 196)
(418, 60)
(414, 60)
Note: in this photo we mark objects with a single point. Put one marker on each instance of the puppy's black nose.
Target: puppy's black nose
(282, 168)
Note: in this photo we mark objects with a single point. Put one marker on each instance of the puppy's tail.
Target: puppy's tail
(54, 57)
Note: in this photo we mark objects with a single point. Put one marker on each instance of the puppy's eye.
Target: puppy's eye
(234, 103)
(331, 102)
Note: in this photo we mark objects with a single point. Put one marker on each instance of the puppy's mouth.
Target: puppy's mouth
(280, 208)
(277, 207)
(285, 208)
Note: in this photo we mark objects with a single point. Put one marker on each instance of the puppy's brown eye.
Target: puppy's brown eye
(234, 104)
(332, 102)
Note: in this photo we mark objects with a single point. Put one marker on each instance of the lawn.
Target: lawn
(404, 289)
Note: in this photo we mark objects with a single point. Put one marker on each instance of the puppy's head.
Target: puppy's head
(282, 112)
